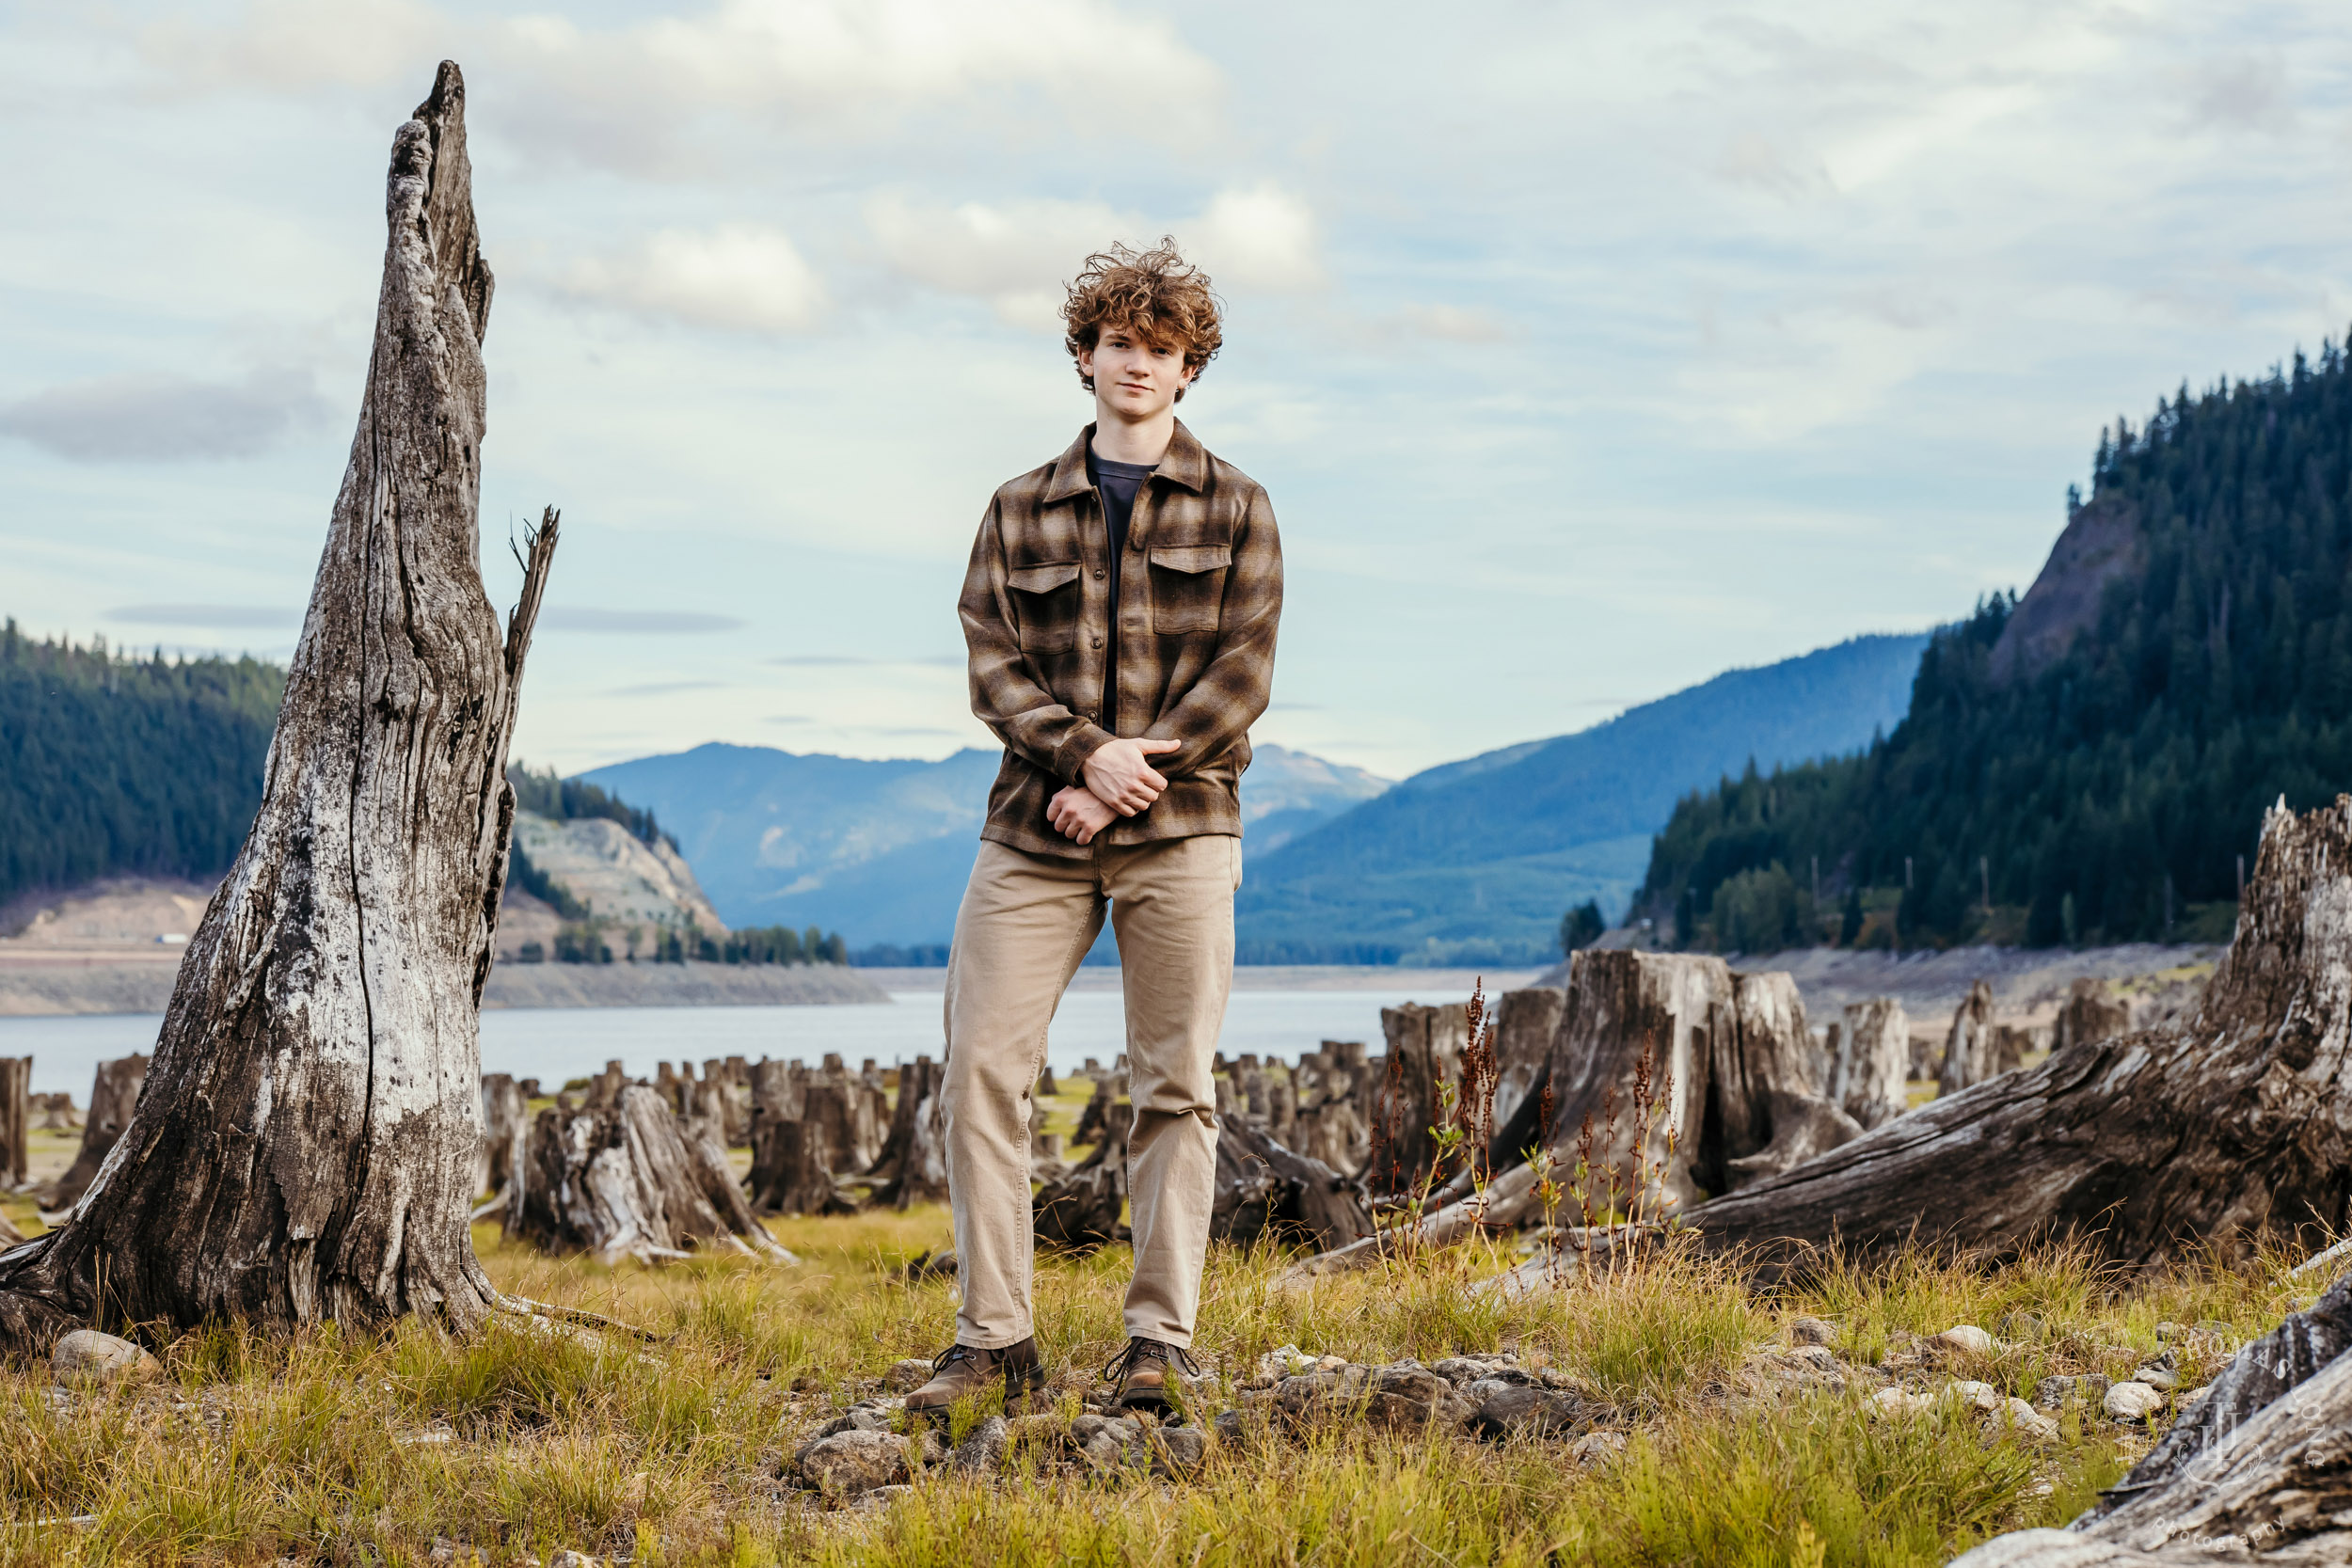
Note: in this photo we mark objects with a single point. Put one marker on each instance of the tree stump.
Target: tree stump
(505, 1147)
(114, 1095)
(2210, 1133)
(307, 1141)
(626, 1181)
(1424, 1055)
(793, 1160)
(1266, 1189)
(2260, 1460)
(1080, 1212)
(16, 1082)
(1968, 1049)
(1525, 1022)
(2090, 1015)
(913, 1166)
(1869, 1062)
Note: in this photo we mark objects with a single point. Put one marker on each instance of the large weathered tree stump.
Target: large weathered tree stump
(2205, 1135)
(627, 1181)
(2091, 1014)
(306, 1144)
(794, 1159)
(1525, 1022)
(914, 1164)
(505, 1147)
(1424, 1055)
(114, 1096)
(1080, 1212)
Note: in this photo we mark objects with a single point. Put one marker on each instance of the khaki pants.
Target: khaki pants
(1026, 923)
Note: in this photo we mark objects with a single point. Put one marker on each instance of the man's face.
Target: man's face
(1130, 377)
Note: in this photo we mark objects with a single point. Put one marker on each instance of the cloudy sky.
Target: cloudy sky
(1585, 349)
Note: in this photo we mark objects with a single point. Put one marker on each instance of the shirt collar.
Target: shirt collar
(1186, 462)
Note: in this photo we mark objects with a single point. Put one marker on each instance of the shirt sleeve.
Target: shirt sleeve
(1020, 712)
(1231, 693)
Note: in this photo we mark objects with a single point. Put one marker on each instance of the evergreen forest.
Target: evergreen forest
(122, 765)
(2115, 792)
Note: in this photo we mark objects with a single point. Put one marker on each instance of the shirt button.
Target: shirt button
(1098, 641)
(1100, 574)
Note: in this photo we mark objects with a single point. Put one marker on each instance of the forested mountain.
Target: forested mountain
(116, 765)
(2089, 763)
(1476, 862)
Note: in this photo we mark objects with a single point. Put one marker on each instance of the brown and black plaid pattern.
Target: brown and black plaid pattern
(1198, 596)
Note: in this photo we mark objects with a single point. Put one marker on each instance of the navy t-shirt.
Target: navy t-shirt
(1118, 484)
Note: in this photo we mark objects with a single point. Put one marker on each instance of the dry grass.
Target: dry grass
(352, 1449)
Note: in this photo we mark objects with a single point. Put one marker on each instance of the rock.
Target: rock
(1598, 1448)
(932, 1446)
(2171, 1331)
(1983, 1396)
(881, 1498)
(2161, 1378)
(1104, 1441)
(1405, 1397)
(1178, 1452)
(573, 1559)
(1812, 1331)
(1820, 1358)
(851, 1463)
(983, 1452)
(2132, 1402)
(88, 1357)
(1895, 1400)
(2054, 1391)
(857, 1419)
(1519, 1410)
(1284, 1361)
(905, 1377)
(1965, 1338)
(1459, 1369)
(2028, 1422)
(1233, 1427)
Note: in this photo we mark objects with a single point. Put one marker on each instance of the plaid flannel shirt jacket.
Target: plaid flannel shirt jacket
(1199, 593)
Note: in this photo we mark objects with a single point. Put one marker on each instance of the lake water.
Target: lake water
(555, 1043)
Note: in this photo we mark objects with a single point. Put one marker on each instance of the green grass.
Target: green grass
(349, 1448)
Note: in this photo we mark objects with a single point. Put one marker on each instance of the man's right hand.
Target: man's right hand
(1117, 776)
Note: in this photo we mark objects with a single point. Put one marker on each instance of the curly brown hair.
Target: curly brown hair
(1155, 294)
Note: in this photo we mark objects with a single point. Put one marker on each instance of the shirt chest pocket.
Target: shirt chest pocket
(1188, 587)
(1045, 600)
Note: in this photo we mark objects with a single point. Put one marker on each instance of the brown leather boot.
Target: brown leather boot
(963, 1371)
(1146, 1373)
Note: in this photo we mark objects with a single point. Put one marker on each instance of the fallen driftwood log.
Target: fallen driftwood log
(114, 1096)
(627, 1181)
(2210, 1133)
(305, 1145)
(2259, 1469)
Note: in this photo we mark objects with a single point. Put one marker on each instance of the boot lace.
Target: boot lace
(1149, 1350)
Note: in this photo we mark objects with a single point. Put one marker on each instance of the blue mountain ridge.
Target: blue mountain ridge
(1474, 861)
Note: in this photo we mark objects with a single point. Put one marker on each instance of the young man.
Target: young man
(1120, 614)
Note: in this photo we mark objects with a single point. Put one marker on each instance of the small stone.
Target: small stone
(1982, 1395)
(2054, 1391)
(858, 1418)
(1177, 1450)
(2168, 1331)
(1541, 1412)
(1460, 1370)
(572, 1560)
(932, 1446)
(1899, 1401)
(983, 1452)
(2132, 1402)
(1284, 1361)
(2163, 1378)
(1819, 1357)
(1230, 1426)
(88, 1357)
(2028, 1422)
(1598, 1448)
(905, 1377)
(1965, 1338)
(881, 1498)
(1812, 1331)
(1404, 1396)
(2024, 1325)
(851, 1463)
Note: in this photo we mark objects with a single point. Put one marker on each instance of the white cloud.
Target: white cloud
(738, 277)
(162, 419)
(1018, 255)
(1263, 237)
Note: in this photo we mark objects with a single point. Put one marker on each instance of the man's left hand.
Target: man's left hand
(1078, 814)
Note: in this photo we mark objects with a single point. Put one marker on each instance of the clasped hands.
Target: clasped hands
(1118, 782)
